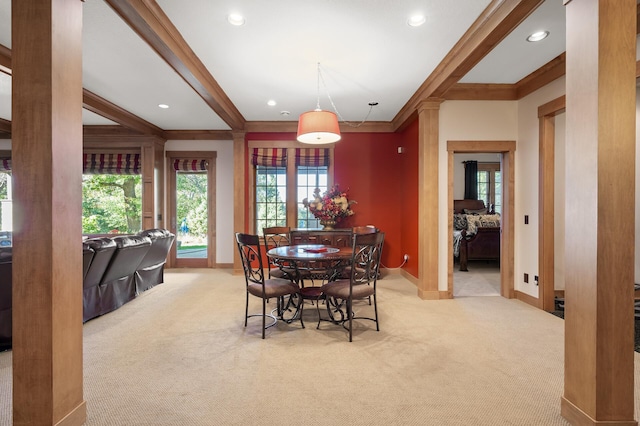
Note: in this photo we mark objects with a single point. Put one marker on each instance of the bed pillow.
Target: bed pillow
(459, 221)
(478, 211)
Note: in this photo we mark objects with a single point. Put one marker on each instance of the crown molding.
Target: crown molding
(212, 135)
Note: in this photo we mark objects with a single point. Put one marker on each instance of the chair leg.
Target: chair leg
(246, 310)
(264, 315)
(375, 309)
(350, 314)
(301, 301)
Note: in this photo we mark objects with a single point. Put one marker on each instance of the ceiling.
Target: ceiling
(366, 50)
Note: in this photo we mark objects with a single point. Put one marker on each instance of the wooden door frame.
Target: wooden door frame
(546, 206)
(210, 156)
(507, 166)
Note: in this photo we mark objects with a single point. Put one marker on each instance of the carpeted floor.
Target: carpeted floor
(180, 355)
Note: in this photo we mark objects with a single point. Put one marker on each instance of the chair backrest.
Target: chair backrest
(368, 229)
(276, 236)
(367, 252)
(249, 248)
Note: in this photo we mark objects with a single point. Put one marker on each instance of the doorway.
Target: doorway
(477, 277)
(506, 149)
(546, 232)
(191, 206)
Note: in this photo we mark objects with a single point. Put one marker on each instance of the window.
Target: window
(283, 178)
(111, 193)
(490, 185)
(6, 212)
(309, 178)
(271, 197)
(111, 204)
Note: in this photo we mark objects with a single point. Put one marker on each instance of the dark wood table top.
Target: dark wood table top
(310, 252)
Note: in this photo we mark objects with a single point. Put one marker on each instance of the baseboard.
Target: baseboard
(576, 416)
(524, 297)
(77, 416)
(409, 277)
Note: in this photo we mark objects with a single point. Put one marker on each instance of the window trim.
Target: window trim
(492, 168)
(292, 177)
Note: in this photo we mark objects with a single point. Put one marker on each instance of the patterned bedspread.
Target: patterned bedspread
(457, 237)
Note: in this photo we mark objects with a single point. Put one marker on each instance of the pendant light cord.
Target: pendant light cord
(348, 123)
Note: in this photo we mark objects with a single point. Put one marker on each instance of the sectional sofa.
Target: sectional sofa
(115, 270)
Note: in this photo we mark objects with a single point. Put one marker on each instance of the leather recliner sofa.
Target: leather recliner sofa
(151, 270)
(5, 298)
(115, 270)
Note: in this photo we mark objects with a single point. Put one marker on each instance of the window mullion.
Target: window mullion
(292, 185)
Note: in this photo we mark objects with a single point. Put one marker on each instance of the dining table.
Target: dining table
(310, 264)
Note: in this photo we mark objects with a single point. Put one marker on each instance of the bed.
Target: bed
(476, 232)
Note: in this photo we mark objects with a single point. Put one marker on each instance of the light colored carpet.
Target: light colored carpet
(482, 279)
(179, 355)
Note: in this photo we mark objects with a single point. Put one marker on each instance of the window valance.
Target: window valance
(269, 157)
(111, 164)
(312, 157)
(5, 164)
(190, 164)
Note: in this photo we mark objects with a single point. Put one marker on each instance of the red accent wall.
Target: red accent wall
(384, 184)
(410, 194)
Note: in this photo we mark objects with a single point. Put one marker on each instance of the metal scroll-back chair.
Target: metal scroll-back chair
(362, 283)
(258, 286)
(278, 236)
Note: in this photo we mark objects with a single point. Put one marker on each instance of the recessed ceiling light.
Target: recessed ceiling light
(163, 106)
(538, 35)
(235, 19)
(271, 102)
(416, 20)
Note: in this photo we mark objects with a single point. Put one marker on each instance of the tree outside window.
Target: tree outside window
(111, 204)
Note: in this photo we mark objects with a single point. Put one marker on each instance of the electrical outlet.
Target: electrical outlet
(535, 279)
(526, 278)
(406, 257)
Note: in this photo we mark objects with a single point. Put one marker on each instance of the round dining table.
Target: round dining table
(313, 262)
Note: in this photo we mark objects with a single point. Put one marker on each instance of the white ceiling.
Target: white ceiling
(366, 50)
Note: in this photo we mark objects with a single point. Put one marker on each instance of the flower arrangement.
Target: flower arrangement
(333, 205)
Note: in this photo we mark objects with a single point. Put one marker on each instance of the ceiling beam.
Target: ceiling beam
(544, 75)
(5, 60)
(492, 26)
(481, 92)
(147, 19)
(113, 112)
(93, 103)
(5, 126)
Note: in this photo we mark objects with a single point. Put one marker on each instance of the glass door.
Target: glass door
(192, 209)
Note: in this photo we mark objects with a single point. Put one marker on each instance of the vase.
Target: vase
(328, 225)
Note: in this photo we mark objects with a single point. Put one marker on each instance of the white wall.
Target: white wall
(526, 191)
(224, 191)
(5, 144)
(467, 120)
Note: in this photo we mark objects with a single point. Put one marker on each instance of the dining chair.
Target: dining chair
(362, 282)
(258, 286)
(278, 236)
